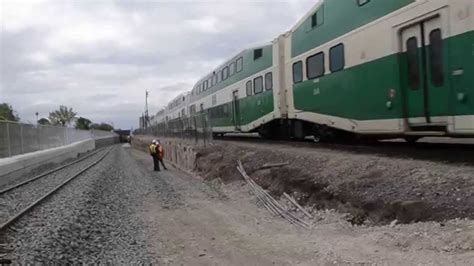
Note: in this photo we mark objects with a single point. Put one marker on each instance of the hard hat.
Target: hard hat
(154, 141)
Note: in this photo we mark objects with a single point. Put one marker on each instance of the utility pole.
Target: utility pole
(146, 109)
(36, 117)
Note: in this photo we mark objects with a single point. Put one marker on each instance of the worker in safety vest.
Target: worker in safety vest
(161, 154)
(153, 149)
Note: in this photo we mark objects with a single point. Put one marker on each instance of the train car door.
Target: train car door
(236, 110)
(425, 90)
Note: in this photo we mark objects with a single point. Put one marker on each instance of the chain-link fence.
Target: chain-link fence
(18, 138)
(195, 128)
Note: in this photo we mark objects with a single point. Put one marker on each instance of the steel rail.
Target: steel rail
(38, 201)
(48, 172)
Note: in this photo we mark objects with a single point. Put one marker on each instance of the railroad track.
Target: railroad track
(17, 200)
(424, 150)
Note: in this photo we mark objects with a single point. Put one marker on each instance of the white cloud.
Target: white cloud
(99, 56)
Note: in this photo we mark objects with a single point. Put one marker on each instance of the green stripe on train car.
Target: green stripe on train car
(251, 109)
(362, 92)
(461, 57)
(339, 18)
(256, 106)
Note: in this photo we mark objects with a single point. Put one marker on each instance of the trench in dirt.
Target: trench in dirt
(366, 192)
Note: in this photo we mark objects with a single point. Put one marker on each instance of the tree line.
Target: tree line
(64, 116)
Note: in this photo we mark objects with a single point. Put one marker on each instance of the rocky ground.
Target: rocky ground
(372, 187)
(123, 213)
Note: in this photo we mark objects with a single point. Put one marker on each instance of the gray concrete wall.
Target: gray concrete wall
(12, 167)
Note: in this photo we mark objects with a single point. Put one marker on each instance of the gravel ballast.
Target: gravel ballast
(13, 201)
(91, 220)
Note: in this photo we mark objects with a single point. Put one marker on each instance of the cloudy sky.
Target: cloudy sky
(98, 57)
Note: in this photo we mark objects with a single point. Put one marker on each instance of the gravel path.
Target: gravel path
(13, 201)
(90, 221)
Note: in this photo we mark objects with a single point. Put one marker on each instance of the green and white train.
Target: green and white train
(376, 68)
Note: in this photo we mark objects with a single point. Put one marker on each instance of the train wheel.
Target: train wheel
(317, 138)
(412, 139)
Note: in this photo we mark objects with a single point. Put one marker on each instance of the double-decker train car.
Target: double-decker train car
(241, 94)
(382, 69)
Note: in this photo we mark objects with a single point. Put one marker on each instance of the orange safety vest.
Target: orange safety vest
(161, 152)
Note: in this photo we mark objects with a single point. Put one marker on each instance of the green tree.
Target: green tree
(102, 126)
(7, 113)
(63, 117)
(43, 121)
(83, 123)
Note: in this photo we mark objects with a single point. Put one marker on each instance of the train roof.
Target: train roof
(307, 15)
(229, 60)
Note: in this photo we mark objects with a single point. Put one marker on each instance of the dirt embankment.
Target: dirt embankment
(372, 189)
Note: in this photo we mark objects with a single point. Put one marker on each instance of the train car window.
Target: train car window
(297, 72)
(214, 79)
(362, 2)
(209, 82)
(257, 53)
(248, 88)
(240, 64)
(199, 89)
(204, 86)
(219, 76)
(317, 19)
(258, 85)
(225, 73)
(336, 58)
(314, 20)
(315, 66)
(232, 69)
(436, 58)
(268, 81)
(413, 67)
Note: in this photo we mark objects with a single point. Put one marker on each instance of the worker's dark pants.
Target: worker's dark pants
(156, 163)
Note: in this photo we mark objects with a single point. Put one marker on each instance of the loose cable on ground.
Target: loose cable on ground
(269, 202)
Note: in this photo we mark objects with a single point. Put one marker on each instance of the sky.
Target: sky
(99, 57)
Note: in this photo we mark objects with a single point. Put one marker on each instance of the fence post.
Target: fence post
(195, 130)
(205, 129)
(38, 136)
(21, 139)
(9, 140)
